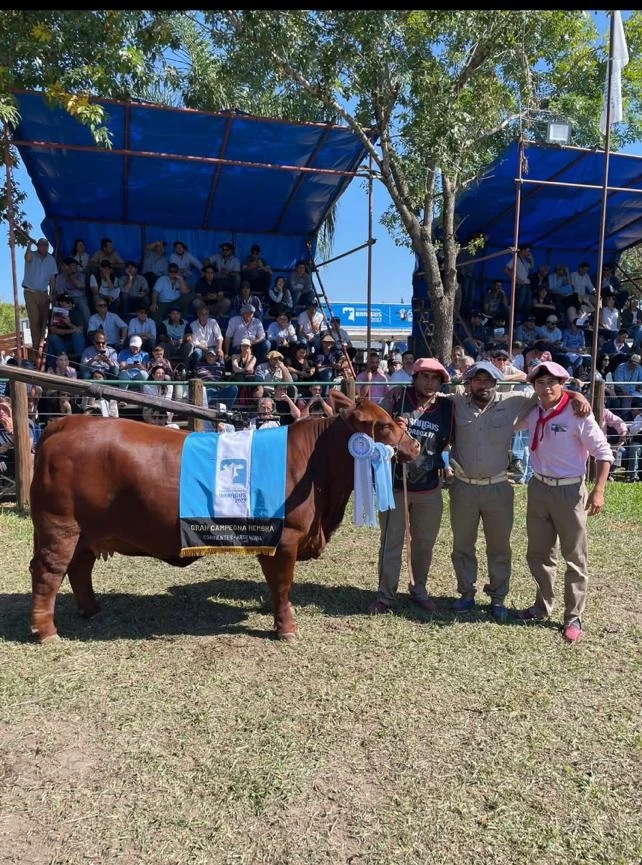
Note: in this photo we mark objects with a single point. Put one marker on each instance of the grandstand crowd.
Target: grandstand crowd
(268, 355)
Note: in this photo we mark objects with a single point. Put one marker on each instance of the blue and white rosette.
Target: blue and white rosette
(370, 456)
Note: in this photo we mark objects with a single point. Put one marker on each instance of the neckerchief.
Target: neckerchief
(543, 419)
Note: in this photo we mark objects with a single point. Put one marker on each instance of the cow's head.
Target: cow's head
(365, 416)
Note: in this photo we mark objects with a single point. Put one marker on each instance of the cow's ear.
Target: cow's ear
(340, 401)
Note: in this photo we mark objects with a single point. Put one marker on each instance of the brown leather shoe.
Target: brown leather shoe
(377, 608)
(426, 604)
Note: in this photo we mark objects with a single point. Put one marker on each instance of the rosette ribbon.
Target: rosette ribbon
(371, 457)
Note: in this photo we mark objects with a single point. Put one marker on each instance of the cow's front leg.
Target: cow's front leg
(279, 573)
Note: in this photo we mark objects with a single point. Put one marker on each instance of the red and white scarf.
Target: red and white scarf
(543, 419)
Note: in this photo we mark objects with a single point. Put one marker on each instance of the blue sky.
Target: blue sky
(344, 280)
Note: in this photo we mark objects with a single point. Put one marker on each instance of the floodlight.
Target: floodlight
(558, 132)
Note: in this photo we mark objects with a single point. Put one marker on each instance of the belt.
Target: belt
(558, 482)
(483, 482)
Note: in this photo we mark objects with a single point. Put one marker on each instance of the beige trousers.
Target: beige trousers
(424, 513)
(493, 505)
(37, 305)
(552, 514)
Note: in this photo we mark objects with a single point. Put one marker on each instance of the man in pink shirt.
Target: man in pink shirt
(373, 382)
(558, 502)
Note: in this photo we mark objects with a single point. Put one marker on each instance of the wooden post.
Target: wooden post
(24, 463)
(195, 391)
(350, 387)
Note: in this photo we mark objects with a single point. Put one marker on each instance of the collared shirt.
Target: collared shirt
(582, 284)
(566, 444)
(91, 358)
(39, 271)
(376, 391)
(167, 289)
(310, 326)
(522, 269)
(632, 373)
(573, 341)
(145, 329)
(208, 334)
(155, 262)
(110, 325)
(483, 435)
(237, 330)
(231, 264)
(185, 261)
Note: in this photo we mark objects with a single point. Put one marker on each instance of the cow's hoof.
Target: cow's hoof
(88, 614)
(50, 640)
(287, 636)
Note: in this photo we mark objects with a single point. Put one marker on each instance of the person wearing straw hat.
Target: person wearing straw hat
(430, 421)
(557, 498)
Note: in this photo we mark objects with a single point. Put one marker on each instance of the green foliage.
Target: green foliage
(7, 318)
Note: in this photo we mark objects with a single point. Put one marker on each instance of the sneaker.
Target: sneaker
(517, 467)
(426, 604)
(572, 631)
(464, 605)
(377, 608)
(498, 612)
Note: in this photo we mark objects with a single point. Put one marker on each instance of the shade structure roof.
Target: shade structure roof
(203, 177)
(559, 222)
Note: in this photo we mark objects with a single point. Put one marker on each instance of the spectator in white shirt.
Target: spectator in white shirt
(584, 292)
(206, 333)
(609, 318)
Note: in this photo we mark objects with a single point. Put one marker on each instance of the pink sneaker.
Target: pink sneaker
(572, 631)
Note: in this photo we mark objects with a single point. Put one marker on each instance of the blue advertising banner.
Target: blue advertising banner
(383, 316)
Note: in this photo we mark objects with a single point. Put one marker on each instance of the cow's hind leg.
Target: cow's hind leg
(279, 573)
(80, 569)
(52, 555)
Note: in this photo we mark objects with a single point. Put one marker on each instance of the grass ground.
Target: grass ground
(173, 729)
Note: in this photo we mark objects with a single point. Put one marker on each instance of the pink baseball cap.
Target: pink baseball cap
(552, 368)
(430, 364)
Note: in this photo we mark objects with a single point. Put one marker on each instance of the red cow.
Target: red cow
(94, 492)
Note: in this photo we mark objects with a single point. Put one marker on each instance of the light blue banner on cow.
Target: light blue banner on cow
(232, 491)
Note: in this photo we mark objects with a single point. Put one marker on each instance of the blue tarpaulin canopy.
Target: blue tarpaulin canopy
(560, 223)
(180, 174)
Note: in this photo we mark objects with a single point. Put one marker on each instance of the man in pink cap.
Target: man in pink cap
(430, 421)
(558, 502)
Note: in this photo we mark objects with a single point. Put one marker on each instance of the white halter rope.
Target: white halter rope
(370, 456)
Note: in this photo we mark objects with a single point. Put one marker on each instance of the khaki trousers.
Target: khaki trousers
(37, 305)
(554, 513)
(493, 504)
(424, 511)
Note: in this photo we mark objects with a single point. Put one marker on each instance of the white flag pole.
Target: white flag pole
(616, 34)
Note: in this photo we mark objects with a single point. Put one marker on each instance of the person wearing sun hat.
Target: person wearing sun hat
(557, 500)
(428, 420)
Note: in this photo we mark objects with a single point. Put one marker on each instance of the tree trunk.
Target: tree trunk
(442, 306)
